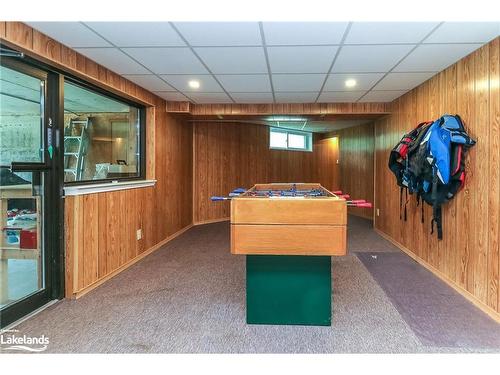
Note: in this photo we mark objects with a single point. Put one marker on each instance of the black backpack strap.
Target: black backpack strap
(400, 201)
(439, 223)
(438, 219)
(406, 202)
(436, 208)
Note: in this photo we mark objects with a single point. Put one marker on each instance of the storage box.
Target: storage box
(28, 239)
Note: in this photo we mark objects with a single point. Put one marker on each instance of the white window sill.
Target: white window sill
(104, 187)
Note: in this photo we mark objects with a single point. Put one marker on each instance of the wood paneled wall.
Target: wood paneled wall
(231, 155)
(468, 255)
(100, 229)
(357, 146)
(326, 156)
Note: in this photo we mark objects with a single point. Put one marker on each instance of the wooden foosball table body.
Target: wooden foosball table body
(288, 233)
(288, 225)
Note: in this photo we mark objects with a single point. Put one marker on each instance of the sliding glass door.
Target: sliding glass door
(28, 205)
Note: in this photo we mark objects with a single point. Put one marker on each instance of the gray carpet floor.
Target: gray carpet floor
(189, 297)
(438, 314)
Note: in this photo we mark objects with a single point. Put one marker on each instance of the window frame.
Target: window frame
(60, 76)
(308, 138)
(141, 176)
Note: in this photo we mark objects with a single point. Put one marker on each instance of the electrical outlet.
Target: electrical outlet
(139, 234)
(338, 161)
(378, 211)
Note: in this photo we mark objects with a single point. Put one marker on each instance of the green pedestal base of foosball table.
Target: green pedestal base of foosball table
(289, 289)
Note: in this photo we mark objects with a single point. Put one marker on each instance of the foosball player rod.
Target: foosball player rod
(235, 193)
(217, 199)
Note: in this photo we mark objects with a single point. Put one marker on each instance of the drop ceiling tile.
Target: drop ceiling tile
(333, 125)
(298, 82)
(174, 60)
(368, 59)
(303, 59)
(303, 33)
(220, 33)
(340, 96)
(150, 82)
(364, 81)
(209, 97)
(434, 57)
(252, 97)
(319, 128)
(72, 34)
(382, 96)
(465, 32)
(113, 59)
(138, 34)
(245, 82)
(295, 97)
(289, 125)
(169, 95)
(233, 60)
(402, 81)
(316, 129)
(180, 82)
(388, 32)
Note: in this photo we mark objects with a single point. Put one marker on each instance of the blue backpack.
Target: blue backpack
(435, 169)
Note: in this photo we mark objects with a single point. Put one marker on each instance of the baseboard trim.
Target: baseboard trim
(468, 295)
(123, 267)
(211, 221)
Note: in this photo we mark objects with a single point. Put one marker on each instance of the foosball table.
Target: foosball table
(289, 232)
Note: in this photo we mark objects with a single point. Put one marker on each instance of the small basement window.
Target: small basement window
(102, 137)
(284, 139)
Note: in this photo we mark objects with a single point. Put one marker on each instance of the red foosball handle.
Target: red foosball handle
(364, 205)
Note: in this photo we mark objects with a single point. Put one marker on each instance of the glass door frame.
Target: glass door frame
(53, 206)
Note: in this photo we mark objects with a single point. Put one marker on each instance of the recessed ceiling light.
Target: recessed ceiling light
(194, 84)
(350, 82)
